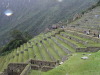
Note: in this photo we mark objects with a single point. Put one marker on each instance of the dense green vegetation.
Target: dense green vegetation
(92, 7)
(18, 38)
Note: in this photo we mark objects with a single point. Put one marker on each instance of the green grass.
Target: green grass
(74, 42)
(58, 49)
(43, 52)
(31, 53)
(74, 66)
(64, 44)
(51, 50)
(35, 72)
(2, 62)
(78, 37)
(77, 66)
(91, 43)
(36, 51)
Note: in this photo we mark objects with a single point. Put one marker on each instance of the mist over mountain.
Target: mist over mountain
(34, 16)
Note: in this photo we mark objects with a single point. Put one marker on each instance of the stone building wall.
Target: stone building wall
(1, 73)
(15, 68)
(26, 70)
(43, 63)
(45, 68)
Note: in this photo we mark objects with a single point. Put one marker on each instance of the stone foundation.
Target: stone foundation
(24, 68)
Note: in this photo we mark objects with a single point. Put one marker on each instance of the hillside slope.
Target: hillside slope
(62, 45)
(34, 16)
(90, 20)
(77, 66)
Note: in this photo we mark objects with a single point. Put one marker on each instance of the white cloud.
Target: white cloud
(60, 0)
(8, 12)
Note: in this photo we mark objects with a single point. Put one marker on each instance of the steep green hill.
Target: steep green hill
(59, 45)
(34, 16)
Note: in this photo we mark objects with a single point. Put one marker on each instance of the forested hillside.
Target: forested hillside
(34, 16)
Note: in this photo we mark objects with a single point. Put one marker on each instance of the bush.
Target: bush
(18, 39)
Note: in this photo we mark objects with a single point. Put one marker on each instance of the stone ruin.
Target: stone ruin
(15, 68)
(21, 68)
(43, 63)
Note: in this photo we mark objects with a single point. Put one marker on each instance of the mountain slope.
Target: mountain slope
(34, 16)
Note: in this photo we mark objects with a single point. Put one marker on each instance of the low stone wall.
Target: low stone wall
(26, 70)
(48, 52)
(34, 67)
(63, 48)
(15, 68)
(41, 52)
(1, 73)
(88, 49)
(95, 39)
(56, 51)
(75, 39)
(43, 63)
(67, 42)
(45, 68)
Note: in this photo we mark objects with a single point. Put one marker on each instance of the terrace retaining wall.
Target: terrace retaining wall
(84, 36)
(88, 49)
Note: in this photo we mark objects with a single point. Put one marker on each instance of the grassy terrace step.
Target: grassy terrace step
(83, 39)
(46, 56)
(30, 50)
(60, 51)
(64, 44)
(77, 66)
(7, 60)
(91, 42)
(31, 53)
(26, 55)
(57, 49)
(38, 46)
(40, 50)
(15, 59)
(54, 49)
(35, 72)
(74, 42)
(81, 35)
(4, 65)
(44, 49)
(2, 62)
(52, 58)
(56, 57)
(36, 51)
(20, 59)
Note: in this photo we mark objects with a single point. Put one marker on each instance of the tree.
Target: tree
(18, 39)
(16, 34)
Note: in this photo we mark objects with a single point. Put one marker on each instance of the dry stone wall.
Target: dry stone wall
(75, 39)
(67, 42)
(24, 68)
(43, 63)
(84, 36)
(64, 49)
(88, 49)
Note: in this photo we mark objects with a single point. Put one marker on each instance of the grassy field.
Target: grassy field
(77, 66)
